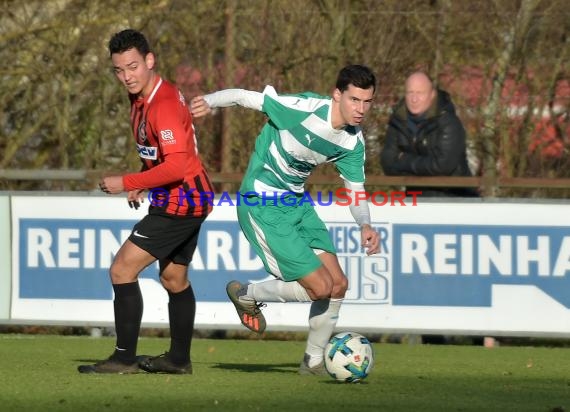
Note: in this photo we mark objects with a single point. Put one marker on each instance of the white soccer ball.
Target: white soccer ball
(349, 357)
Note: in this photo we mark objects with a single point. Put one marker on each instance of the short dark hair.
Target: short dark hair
(128, 39)
(357, 75)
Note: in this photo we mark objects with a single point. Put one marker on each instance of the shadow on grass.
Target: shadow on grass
(256, 367)
(86, 360)
(287, 368)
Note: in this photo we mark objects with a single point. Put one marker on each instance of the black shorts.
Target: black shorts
(165, 237)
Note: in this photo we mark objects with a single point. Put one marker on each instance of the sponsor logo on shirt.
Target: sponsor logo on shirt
(147, 152)
(167, 137)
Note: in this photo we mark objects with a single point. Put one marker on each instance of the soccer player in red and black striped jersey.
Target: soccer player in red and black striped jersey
(173, 172)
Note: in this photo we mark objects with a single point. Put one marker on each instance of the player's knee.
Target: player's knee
(167, 283)
(340, 287)
(173, 284)
(121, 274)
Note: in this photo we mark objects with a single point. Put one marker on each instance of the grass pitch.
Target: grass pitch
(38, 373)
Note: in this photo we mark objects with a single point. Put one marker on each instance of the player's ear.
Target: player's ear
(337, 95)
(149, 60)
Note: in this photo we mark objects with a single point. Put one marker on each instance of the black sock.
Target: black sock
(128, 305)
(181, 312)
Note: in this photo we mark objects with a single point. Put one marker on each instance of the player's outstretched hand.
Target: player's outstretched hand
(112, 185)
(370, 239)
(199, 107)
(135, 198)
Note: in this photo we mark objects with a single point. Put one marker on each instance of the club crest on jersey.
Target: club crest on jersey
(167, 137)
(147, 152)
(141, 132)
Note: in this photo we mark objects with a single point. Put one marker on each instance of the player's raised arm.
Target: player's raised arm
(202, 105)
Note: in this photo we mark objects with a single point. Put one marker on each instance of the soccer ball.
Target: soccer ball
(349, 357)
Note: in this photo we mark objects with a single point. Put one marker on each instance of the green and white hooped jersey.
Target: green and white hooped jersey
(297, 137)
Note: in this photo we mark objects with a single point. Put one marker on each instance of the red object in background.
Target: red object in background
(472, 86)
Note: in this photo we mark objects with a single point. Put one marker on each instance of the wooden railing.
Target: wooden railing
(92, 176)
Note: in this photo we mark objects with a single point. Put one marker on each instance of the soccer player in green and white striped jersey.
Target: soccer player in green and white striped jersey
(303, 131)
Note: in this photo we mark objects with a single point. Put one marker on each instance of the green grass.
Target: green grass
(38, 373)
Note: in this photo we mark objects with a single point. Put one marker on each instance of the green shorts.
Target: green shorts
(286, 238)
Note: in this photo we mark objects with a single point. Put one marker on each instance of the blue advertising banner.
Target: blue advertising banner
(493, 273)
(456, 265)
(70, 259)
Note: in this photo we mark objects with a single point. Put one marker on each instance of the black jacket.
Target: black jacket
(436, 148)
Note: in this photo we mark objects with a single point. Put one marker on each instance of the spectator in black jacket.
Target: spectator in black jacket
(426, 138)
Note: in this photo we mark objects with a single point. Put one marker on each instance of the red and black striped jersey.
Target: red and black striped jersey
(166, 143)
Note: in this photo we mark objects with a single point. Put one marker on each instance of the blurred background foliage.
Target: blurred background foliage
(505, 63)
